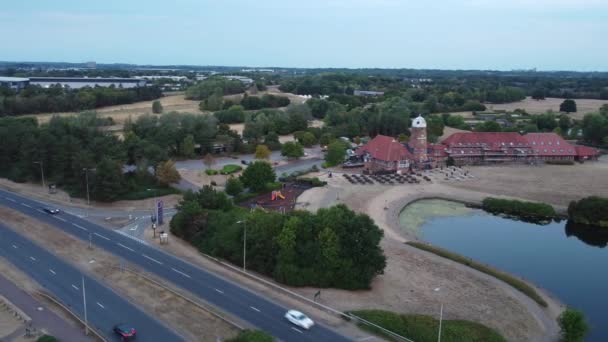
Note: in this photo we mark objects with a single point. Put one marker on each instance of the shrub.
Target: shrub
(573, 325)
(234, 186)
(230, 168)
(591, 211)
(211, 172)
(252, 336)
(528, 211)
(157, 107)
(509, 279)
(425, 328)
(257, 174)
(315, 181)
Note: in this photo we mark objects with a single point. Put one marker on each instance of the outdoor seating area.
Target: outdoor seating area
(386, 179)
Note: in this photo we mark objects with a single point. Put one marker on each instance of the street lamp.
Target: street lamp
(440, 317)
(154, 213)
(84, 302)
(86, 176)
(41, 172)
(244, 243)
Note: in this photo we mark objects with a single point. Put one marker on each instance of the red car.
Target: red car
(125, 331)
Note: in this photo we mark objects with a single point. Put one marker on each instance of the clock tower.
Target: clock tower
(418, 141)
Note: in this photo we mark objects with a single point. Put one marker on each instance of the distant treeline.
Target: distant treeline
(35, 99)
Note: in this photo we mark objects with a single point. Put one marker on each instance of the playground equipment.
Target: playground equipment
(276, 194)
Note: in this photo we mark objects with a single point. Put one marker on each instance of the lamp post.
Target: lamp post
(84, 302)
(86, 177)
(244, 243)
(154, 213)
(440, 317)
(41, 172)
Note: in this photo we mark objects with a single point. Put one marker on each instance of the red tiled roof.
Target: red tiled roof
(585, 151)
(492, 140)
(386, 149)
(549, 144)
(437, 150)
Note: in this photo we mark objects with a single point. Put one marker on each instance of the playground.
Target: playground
(280, 200)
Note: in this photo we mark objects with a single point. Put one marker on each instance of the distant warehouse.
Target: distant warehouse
(15, 83)
(81, 82)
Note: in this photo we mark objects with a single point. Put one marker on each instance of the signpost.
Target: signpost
(160, 212)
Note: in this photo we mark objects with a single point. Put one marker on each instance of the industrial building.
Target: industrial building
(14, 83)
(81, 82)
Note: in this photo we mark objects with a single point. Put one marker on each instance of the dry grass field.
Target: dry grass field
(531, 106)
(120, 113)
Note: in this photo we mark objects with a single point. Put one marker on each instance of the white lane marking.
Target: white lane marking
(123, 246)
(59, 218)
(101, 306)
(42, 211)
(220, 291)
(15, 246)
(101, 236)
(10, 199)
(256, 309)
(26, 205)
(50, 270)
(134, 228)
(33, 259)
(79, 226)
(298, 330)
(156, 261)
(75, 287)
(180, 272)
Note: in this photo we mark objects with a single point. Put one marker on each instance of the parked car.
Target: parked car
(244, 162)
(51, 211)
(125, 331)
(299, 319)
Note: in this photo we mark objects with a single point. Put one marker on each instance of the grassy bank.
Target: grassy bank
(421, 328)
(509, 279)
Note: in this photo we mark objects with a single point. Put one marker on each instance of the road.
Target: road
(105, 308)
(251, 307)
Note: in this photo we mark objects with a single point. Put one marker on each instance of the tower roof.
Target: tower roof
(419, 122)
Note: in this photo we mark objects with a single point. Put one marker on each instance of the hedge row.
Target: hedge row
(525, 210)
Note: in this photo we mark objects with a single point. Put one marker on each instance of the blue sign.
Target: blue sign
(160, 212)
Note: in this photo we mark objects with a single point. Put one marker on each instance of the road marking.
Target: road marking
(15, 246)
(367, 338)
(180, 272)
(123, 246)
(33, 259)
(298, 330)
(76, 287)
(101, 236)
(220, 291)
(59, 218)
(10, 199)
(42, 211)
(79, 226)
(134, 228)
(101, 306)
(26, 205)
(156, 261)
(50, 270)
(256, 309)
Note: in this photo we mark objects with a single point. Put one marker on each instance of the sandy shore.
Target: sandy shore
(411, 276)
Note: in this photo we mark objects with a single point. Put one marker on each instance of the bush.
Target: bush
(47, 338)
(591, 211)
(234, 186)
(315, 181)
(426, 328)
(252, 336)
(211, 172)
(230, 168)
(528, 211)
(573, 325)
(509, 279)
(257, 174)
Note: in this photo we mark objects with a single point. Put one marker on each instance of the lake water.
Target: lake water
(569, 262)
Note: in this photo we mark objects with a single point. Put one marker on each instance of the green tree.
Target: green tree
(234, 186)
(403, 137)
(257, 175)
(488, 126)
(326, 139)
(568, 106)
(251, 336)
(166, 173)
(157, 107)
(262, 152)
(595, 127)
(108, 180)
(307, 139)
(292, 149)
(564, 123)
(188, 146)
(336, 152)
(573, 325)
(538, 94)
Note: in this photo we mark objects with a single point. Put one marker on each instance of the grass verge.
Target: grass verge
(509, 279)
(422, 328)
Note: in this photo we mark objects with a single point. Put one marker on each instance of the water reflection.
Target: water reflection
(590, 235)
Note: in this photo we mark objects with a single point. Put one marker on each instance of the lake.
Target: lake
(569, 262)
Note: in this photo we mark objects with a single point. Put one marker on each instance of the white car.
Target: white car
(299, 319)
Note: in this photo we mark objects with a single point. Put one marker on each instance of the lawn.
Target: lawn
(421, 328)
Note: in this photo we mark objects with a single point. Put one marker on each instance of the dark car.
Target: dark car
(125, 331)
(244, 162)
(52, 211)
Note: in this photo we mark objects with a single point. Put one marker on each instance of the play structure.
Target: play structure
(276, 195)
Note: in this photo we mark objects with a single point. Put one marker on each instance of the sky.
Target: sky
(429, 34)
